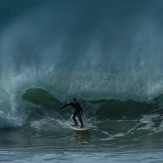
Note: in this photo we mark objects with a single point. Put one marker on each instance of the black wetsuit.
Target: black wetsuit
(78, 112)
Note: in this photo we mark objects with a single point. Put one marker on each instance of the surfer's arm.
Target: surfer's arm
(65, 105)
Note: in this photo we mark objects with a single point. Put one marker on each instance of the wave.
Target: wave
(109, 119)
(92, 55)
(112, 109)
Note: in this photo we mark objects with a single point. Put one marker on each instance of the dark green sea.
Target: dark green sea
(105, 53)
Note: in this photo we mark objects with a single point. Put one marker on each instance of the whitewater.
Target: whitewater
(105, 53)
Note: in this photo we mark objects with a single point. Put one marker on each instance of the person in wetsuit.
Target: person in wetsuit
(78, 112)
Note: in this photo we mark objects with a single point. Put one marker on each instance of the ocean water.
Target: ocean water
(107, 54)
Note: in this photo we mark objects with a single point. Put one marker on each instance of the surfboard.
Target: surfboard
(77, 128)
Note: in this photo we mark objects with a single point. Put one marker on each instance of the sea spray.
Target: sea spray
(91, 52)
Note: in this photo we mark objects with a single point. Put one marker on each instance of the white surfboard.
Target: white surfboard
(77, 128)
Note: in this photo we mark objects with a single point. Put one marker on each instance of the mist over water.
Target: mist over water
(88, 49)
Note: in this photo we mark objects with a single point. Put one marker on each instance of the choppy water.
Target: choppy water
(107, 54)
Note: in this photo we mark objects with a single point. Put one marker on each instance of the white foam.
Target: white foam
(147, 120)
(49, 124)
(7, 121)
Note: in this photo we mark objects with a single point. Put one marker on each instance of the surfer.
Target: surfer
(78, 112)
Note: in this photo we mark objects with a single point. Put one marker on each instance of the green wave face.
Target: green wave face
(40, 97)
(112, 109)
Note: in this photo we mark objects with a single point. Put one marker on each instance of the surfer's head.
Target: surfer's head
(74, 100)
